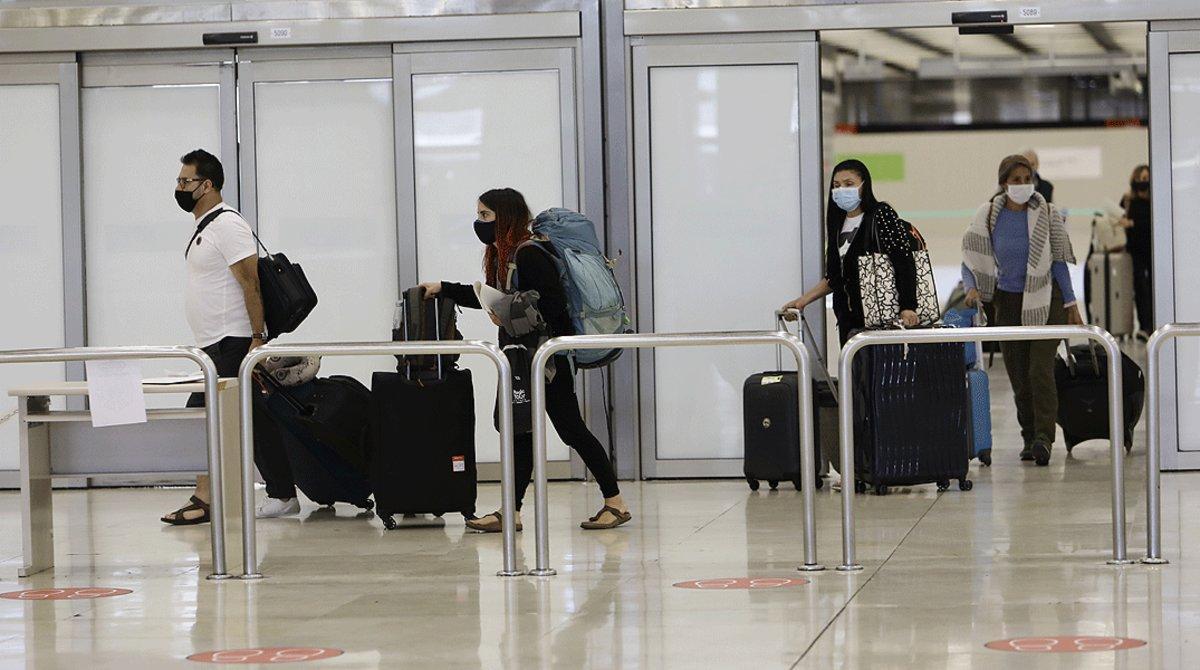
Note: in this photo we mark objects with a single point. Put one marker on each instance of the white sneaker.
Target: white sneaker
(272, 508)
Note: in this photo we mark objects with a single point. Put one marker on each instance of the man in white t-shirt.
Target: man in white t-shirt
(225, 311)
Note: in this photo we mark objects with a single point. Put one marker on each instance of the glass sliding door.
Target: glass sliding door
(720, 131)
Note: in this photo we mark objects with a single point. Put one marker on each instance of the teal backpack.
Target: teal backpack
(594, 299)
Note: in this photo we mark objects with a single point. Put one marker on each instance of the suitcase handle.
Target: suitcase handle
(1070, 357)
(781, 325)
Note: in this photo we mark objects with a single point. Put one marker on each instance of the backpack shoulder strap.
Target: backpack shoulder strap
(511, 279)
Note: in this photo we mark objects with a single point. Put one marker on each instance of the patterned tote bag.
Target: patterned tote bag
(877, 281)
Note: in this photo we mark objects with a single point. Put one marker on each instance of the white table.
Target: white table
(177, 436)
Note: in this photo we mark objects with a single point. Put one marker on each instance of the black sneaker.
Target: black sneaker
(1041, 452)
(1027, 454)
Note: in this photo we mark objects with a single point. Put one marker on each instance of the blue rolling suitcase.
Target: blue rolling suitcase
(978, 387)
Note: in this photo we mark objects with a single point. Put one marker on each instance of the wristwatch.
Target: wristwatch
(259, 336)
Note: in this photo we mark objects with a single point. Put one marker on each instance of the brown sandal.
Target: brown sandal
(620, 518)
(178, 518)
(491, 527)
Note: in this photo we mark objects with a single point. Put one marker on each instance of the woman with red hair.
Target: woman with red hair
(503, 226)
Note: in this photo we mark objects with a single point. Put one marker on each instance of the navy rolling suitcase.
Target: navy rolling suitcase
(913, 417)
(323, 426)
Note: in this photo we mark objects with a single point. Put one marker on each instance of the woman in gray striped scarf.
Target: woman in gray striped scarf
(1015, 257)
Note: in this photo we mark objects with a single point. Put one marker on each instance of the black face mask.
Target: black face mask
(486, 231)
(185, 200)
(1140, 185)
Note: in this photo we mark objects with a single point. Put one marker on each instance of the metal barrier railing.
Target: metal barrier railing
(1158, 340)
(212, 409)
(864, 339)
(655, 340)
(465, 347)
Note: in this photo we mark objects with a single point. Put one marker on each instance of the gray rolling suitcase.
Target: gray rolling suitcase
(1110, 303)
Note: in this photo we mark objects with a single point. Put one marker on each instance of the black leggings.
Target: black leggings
(562, 406)
(269, 454)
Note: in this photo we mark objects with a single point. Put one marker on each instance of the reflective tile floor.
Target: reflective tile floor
(1020, 556)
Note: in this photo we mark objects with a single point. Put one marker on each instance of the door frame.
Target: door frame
(800, 49)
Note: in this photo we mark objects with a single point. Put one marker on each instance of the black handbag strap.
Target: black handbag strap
(212, 216)
(275, 386)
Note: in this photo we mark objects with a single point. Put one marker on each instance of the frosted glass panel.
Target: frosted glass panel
(134, 232)
(326, 188)
(30, 243)
(1185, 183)
(474, 132)
(725, 159)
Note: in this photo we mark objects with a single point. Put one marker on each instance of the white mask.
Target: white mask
(1020, 193)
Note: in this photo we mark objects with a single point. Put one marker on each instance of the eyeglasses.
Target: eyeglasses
(184, 181)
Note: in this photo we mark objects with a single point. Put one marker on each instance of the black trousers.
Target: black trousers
(1143, 291)
(269, 454)
(562, 406)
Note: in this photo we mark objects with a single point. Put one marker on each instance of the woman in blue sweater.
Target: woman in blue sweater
(1015, 256)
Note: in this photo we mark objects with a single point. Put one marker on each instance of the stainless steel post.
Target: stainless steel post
(651, 340)
(212, 408)
(978, 334)
(464, 347)
(1154, 348)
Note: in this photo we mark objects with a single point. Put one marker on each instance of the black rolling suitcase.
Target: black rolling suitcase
(1082, 382)
(323, 425)
(912, 423)
(423, 432)
(771, 427)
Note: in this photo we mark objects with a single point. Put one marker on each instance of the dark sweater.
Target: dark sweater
(535, 272)
(842, 273)
(1138, 244)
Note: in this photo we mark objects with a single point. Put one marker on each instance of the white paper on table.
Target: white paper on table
(489, 298)
(115, 393)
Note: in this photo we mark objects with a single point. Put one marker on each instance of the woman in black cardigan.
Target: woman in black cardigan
(853, 219)
(503, 227)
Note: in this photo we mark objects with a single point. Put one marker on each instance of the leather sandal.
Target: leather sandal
(179, 518)
(619, 518)
(496, 526)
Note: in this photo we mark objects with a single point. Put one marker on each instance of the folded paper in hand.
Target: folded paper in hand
(489, 298)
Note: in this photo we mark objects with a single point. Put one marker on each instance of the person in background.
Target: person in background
(1042, 186)
(225, 311)
(1015, 256)
(503, 227)
(1138, 232)
(852, 217)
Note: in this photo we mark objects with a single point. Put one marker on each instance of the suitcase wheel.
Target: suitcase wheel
(388, 522)
(367, 504)
(797, 483)
(860, 487)
(753, 484)
(943, 485)
(774, 485)
(881, 490)
(965, 485)
(820, 483)
(324, 503)
(985, 457)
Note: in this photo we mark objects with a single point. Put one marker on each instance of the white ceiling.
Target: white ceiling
(1045, 40)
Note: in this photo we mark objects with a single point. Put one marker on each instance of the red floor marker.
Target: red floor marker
(266, 655)
(741, 583)
(1068, 644)
(86, 593)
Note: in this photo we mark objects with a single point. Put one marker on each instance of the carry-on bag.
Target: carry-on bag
(418, 319)
(1110, 301)
(423, 433)
(771, 427)
(978, 385)
(1082, 380)
(323, 426)
(912, 418)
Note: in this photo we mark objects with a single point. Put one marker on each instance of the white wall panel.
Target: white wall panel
(726, 238)
(325, 188)
(31, 270)
(1185, 183)
(134, 233)
(474, 132)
